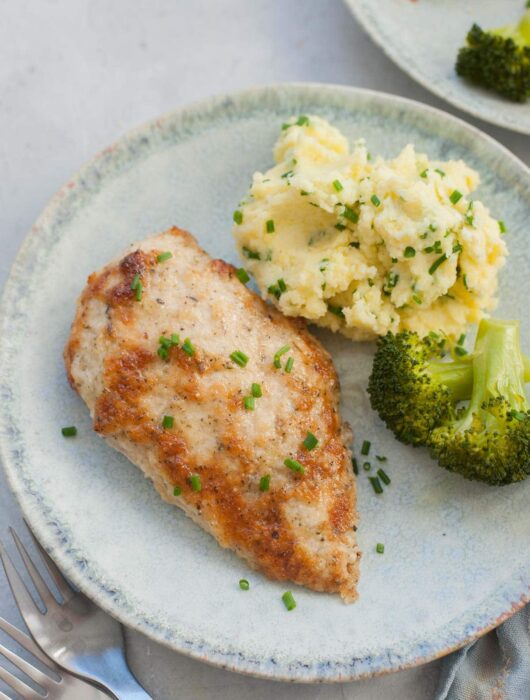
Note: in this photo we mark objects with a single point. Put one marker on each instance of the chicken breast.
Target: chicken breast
(151, 352)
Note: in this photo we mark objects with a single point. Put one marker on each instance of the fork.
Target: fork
(63, 687)
(75, 633)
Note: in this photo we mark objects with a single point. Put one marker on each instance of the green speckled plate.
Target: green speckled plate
(456, 558)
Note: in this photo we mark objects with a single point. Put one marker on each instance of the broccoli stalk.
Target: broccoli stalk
(489, 440)
(499, 59)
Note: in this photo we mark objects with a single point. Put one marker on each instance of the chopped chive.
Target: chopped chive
(383, 476)
(365, 449)
(391, 280)
(69, 431)
(354, 465)
(166, 344)
(136, 281)
(462, 339)
(244, 584)
(502, 226)
(188, 347)
(310, 441)
(251, 255)
(340, 227)
(285, 126)
(167, 422)
(269, 225)
(289, 601)
(238, 217)
(289, 364)
(302, 121)
(289, 173)
(281, 285)
(436, 264)
(518, 415)
(337, 184)
(464, 280)
(367, 466)
(303, 193)
(417, 299)
(460, 351)
(256, 391)
(177, 491)
(249, 402)
(355, 244)
(455, 196)
(277, 362)
(195, 482)
(424, 173)
(380, 458)
(139, 291)
(410, 252)
(351, 215)
(281, 351)
(336, 310)
(375, 200)
(457, 248)
(376, 484)
(380, 548)
(242, 275)
(239, 358)
(274, 290)
(440, 172)
(164, 256)
(265, 482)
(294, 465)
(435, 248)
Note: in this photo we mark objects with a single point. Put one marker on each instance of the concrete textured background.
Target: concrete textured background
(75, 75)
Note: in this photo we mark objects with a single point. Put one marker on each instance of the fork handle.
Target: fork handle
(110, 670)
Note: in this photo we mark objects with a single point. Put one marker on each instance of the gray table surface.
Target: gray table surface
(75, 75)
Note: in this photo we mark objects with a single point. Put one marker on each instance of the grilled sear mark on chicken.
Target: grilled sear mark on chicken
(211, 460)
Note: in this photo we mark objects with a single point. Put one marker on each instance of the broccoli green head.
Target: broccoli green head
(489, 440)
(499, 59)
(412, 389)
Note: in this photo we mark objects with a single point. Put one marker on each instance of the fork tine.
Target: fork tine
(62, 584)
(4, 697)
(25, 602)
(31, 671)
(27, 643)
(18, 686)
(40, 583)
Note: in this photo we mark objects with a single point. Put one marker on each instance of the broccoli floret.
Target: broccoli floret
(499, 59)
(412, 388)
(489, 440)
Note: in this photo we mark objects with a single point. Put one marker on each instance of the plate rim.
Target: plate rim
(368, 21)
(329, 671)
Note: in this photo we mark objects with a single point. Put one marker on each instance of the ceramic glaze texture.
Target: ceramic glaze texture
(423, 37)
(456, 556)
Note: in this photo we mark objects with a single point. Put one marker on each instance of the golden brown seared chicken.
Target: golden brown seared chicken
(154, 336)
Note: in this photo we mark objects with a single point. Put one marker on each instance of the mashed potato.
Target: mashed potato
(366, 246)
